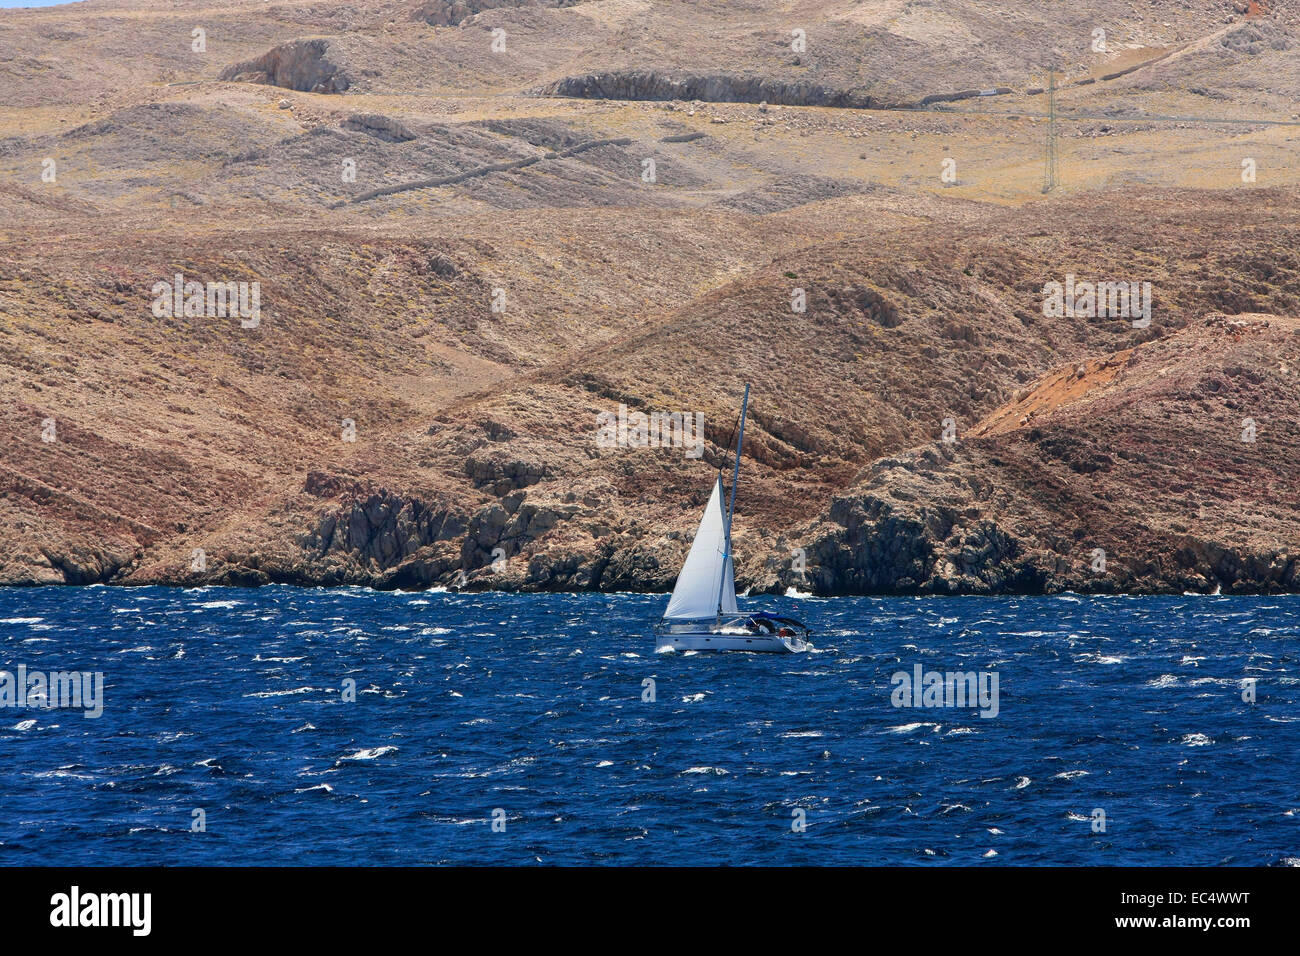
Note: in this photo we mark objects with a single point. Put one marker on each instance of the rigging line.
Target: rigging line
(734, 424)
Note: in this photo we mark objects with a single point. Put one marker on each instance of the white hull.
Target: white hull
(710, 641)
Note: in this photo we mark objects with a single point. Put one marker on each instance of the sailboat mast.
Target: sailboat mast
(731, 505)
(735, 474)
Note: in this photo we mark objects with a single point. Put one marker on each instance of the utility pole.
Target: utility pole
(1052, 174)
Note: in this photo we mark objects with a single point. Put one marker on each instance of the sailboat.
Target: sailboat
(702, 614)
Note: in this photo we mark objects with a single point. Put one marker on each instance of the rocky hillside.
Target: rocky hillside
(464, 258)
(1168, 465)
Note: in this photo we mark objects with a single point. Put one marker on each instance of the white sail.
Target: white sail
(729, 589)
(706, 577)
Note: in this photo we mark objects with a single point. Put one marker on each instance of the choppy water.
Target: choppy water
(231, 702)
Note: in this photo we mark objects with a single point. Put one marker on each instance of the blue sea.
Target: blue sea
(523, 729)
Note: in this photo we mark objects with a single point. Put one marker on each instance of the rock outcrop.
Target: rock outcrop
(303, 65)
(713, 88)
(444, 13)
(381, 127)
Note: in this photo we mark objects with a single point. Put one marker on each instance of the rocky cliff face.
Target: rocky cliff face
(300, 65)
(717, 88)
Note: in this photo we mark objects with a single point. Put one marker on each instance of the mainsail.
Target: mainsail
(706, 581)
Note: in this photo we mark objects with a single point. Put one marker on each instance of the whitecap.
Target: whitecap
(908, 728)
(370, 753)
(64, 772)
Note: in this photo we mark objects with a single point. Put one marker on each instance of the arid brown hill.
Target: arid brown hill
(462, 258)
